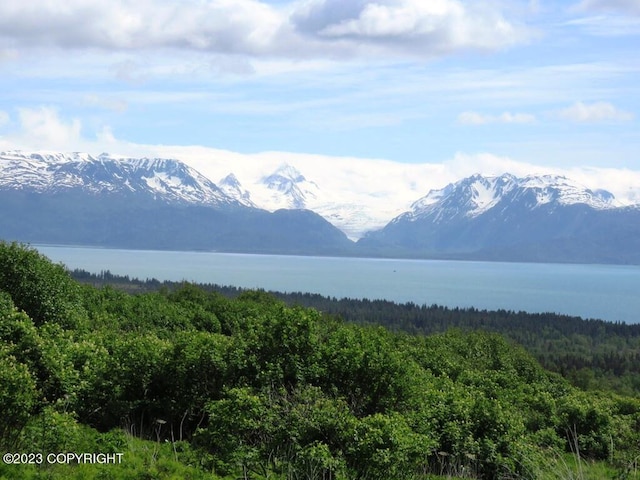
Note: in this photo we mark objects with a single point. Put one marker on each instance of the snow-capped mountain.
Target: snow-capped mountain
(166, 180)
(352, 212)
(146, 203)
(475, 195)
(231, 186)
(534, 218)
(163, 203)
(286, 187)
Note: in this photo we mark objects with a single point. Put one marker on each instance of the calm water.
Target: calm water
(609, 292)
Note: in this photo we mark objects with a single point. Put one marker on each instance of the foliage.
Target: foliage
(44, 290)
(17, 397)
(189, 383)
(592, 354)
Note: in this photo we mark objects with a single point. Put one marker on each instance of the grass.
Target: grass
(141, 460)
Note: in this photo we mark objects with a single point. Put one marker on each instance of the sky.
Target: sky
(440, 88)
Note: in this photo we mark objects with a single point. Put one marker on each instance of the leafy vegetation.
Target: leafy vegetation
(591, 354)
(188, 383)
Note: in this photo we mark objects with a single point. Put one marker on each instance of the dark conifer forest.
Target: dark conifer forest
(210, 382)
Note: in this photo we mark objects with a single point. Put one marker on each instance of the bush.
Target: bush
(44, 290)
(18, 397)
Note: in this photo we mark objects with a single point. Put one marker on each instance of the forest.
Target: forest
(205, 382)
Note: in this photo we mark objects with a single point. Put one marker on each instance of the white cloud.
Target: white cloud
(608, 18)
(414, 26)
(623, 183)
(44, 129)
(606, 25)
(299, 29)
(594, 112)
(231, 26)
(466, 164)
(108, 103)
(508, 117)
(378, 189)
(475, 118)
(620, 6)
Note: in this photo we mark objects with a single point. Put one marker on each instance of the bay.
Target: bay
(608, 292)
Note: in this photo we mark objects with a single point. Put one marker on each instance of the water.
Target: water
(608, 292)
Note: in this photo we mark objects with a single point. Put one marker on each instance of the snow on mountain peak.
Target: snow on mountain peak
(286, 187)
(45, 156)
(284, 178)
(469, 197)
(289, 171)
(473, 196)
(486, 192)
(282, 185)
(558, 188)
(230, 180)
(232, 187)
(165, 179)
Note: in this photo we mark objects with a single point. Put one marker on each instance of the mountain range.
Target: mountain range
(165, 204)
(146, 203)
(536, 218)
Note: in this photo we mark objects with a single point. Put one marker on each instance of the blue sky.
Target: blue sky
(553, 84)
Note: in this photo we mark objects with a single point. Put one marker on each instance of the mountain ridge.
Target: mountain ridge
(503, 217)
(533, 218)
(166, 180)
(482, 193)
(145, 203)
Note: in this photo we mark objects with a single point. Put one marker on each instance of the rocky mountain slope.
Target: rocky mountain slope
(166, 180)
(163, 203)
(145, 203)
(534, 218)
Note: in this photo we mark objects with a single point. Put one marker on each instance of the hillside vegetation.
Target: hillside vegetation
(189, 383)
